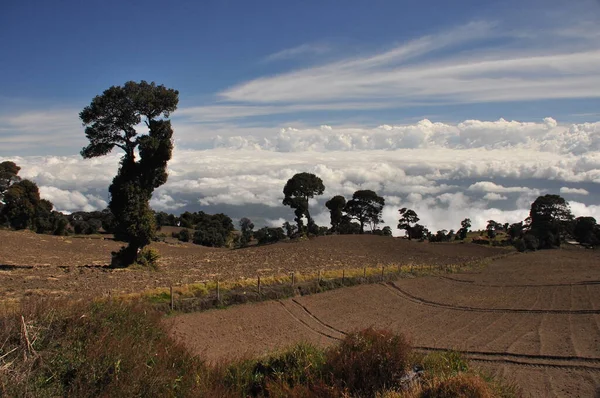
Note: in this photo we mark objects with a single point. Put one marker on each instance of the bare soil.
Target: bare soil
(32, 264)
(532, 318)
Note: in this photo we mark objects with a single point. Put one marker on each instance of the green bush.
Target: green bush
(148, 258)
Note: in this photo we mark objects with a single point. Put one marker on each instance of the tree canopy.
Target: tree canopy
(408, 217)
(8, 176)
(297, 191)
(110, 122)
(365, 207)
(551, 218)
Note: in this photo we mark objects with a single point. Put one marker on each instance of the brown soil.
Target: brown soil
(32, 264)
(532, 318)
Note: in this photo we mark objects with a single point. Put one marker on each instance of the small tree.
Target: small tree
(246, 227)
(290, 229)
(365, 207)
(336, 207)
(297, 191)
(492, 228)
(110, 122)
(465, 225)
(21, 204)
(408, 217)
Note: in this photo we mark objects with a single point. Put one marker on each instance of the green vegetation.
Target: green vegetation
(112, 348)
(297, 191)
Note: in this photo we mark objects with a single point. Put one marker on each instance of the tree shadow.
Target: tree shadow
(11, 267)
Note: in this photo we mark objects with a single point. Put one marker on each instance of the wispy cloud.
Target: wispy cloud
(477, 62)
(302, 50)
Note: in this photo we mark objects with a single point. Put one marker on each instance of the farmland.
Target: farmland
(533, 318)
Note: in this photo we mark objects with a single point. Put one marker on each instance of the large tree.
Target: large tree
(336, 207)
(465, 225)
(365, 207)
(551, 219)
(111, 121)
(297, 191)
(586, 231)
(407, 218)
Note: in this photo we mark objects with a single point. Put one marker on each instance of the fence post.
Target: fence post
(319, 277)
(172, 300)
(365, 273)
(293, 279)
(382, 271)
(258, 285)
(218, 292)
(343, 276)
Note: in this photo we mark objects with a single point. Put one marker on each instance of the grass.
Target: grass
(203, 295)
(120, 349)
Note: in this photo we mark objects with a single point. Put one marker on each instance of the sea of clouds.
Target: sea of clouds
(445, 172)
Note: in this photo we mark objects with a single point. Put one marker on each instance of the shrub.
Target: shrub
(148, 258)
(184, 235)
(461, 385)
(369, 361)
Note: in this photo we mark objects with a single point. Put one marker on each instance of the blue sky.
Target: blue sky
(58, 55)
(473, 106)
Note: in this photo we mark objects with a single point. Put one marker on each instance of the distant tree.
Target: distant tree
(297, 191)
(365, 207)
(246, 227)
(586, 231)
(21, 204)
(492, 228)
(386, 231)
(212, 230)
(269, 235)
(290, 229)
(8, 176)
(348, 227)
(419, 232)
(407, 218)
(515, 231)
(110, 122)
(184, 235)
(465, 225)
(162, 219)
(551, 219)
(336, 207)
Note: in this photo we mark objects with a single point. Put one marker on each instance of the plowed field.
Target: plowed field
(32, 264)
(533, 318)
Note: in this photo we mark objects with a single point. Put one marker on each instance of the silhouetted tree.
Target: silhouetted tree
(492, 228)
(462, 232)
(246, 227)
(336, 207)
(365, 207)
(551, 219)
(110, 122)
(297, 191)
(586, 231)
(290, 229)
(408, 217)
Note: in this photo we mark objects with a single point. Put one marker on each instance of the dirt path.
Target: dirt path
(544, 335)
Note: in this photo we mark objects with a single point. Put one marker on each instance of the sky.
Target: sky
(455, 109)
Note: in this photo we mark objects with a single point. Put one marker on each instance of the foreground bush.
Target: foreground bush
(102, 349)
(117, 349)
(369, 361)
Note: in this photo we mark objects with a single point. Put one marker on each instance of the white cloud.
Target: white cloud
(507, 66)
(302, 50)
(70, 201)
(574, 191)
(488, 186)
(494, 196)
